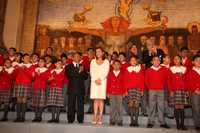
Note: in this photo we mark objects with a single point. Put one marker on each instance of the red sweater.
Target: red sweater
(188, 64)
(1, 60)
(193, 79)
(24, 75)
(115, 84)
(6, 79)
(134, 79)
(58, 80)
(40, 79)
(50, 66)
(86, 62)
(124, 65)
(155, 79)
(177, 78)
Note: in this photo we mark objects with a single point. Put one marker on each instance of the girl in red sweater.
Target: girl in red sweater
(193, 78)
(115, 91)
(6, 82)
(134, 84)
(177, 88)
(41, 75)
(23, 82)
(55, 98)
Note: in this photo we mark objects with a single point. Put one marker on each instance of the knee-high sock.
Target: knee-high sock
(18, 110)
(53, 110)
(131, 111)
(23, 110)
(136, 114)
(6, 108)
(182, 115)
(177, 116)
(57, 113)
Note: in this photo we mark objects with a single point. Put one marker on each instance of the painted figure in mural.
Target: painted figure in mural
(125, 8)
(115, 32)
(194, 37)
(42, 39)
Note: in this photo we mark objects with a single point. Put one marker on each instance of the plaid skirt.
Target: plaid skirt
(22, 91)
(55, 97)
(179, 98)
(4, 96)
(39, 98)
(133, 94)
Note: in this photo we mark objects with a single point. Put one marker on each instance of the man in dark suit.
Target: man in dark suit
(76, 90)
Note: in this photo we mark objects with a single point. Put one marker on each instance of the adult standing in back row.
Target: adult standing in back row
(99, 69)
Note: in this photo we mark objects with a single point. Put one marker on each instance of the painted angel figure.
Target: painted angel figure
(115, 32)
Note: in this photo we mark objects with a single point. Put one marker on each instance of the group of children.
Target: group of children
(43, 82)
(175, 83)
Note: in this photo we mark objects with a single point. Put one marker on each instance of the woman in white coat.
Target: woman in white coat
(99, 69)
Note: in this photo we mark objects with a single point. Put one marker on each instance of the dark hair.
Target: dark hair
(79, 53)
(58, 61)
(133, 45)
(196, 56)
(42, 58)
(90, 49)
(26, 54)
(115, 53)
(50, 48)
(184, 48)
(134, 56)
(63, 55)
(35, 54)
(14, 49)
(114, 61)
(156, 56)
(165, 55)
(122, 53)
(198, 52)
(104, 57)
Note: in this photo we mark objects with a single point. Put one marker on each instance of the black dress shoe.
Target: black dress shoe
(4, 119)
(120, 124)
(197, 128)
(136, 125)
(35, 120)
(57, 121)
(183, 128)
(17, 120)
(150, 126)
(112, 123)
(51, 121)
(70, 122)
(165, 126)
(131, 124)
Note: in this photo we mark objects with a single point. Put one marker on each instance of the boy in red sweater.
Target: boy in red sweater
(178, 92)
(155, 81)
(23, 82)
(41, 75)
(6, 81)
(115, 91)
(193, 78)
(184, 52)
(134, 84)
(55, 98)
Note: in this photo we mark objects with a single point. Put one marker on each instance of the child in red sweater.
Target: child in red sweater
(177, 88)
(23, 82)
(55, 98)
(6, 82)
(193, 78)
(134, 84)
(41, 75)
(115, 91)
(155, 81)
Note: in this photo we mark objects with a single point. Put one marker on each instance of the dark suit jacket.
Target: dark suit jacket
(76, 80)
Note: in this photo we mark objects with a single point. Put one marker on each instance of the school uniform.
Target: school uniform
(177, 85)
(187, 63)
(6, 78)
(1, 60)
(23, 82)
(155, 80)
(76, 92)
(124, 65)
(39, 87)
(193, 79)
(55, 96)
(134, 84)
(116, 90)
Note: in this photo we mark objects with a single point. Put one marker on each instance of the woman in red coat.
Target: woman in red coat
(134, 84)
(6, 83)
(41, 75)
(178, 92)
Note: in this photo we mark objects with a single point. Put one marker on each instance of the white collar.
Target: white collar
(116, 73)
(26, 65)
(57, 71)
(167, 66)
(196, 70)
(184, 60)
(48, 65)
(12, 58)
(123, 62)
(15, 63)
(136, 68)
(35, 63)
(75, 63)
(155, 68)
(41, 69)
(9, 70)
(178, 69)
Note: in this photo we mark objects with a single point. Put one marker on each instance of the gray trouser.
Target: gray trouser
(196, 109)
(156, 103)
(144, 102)
(116, 108)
